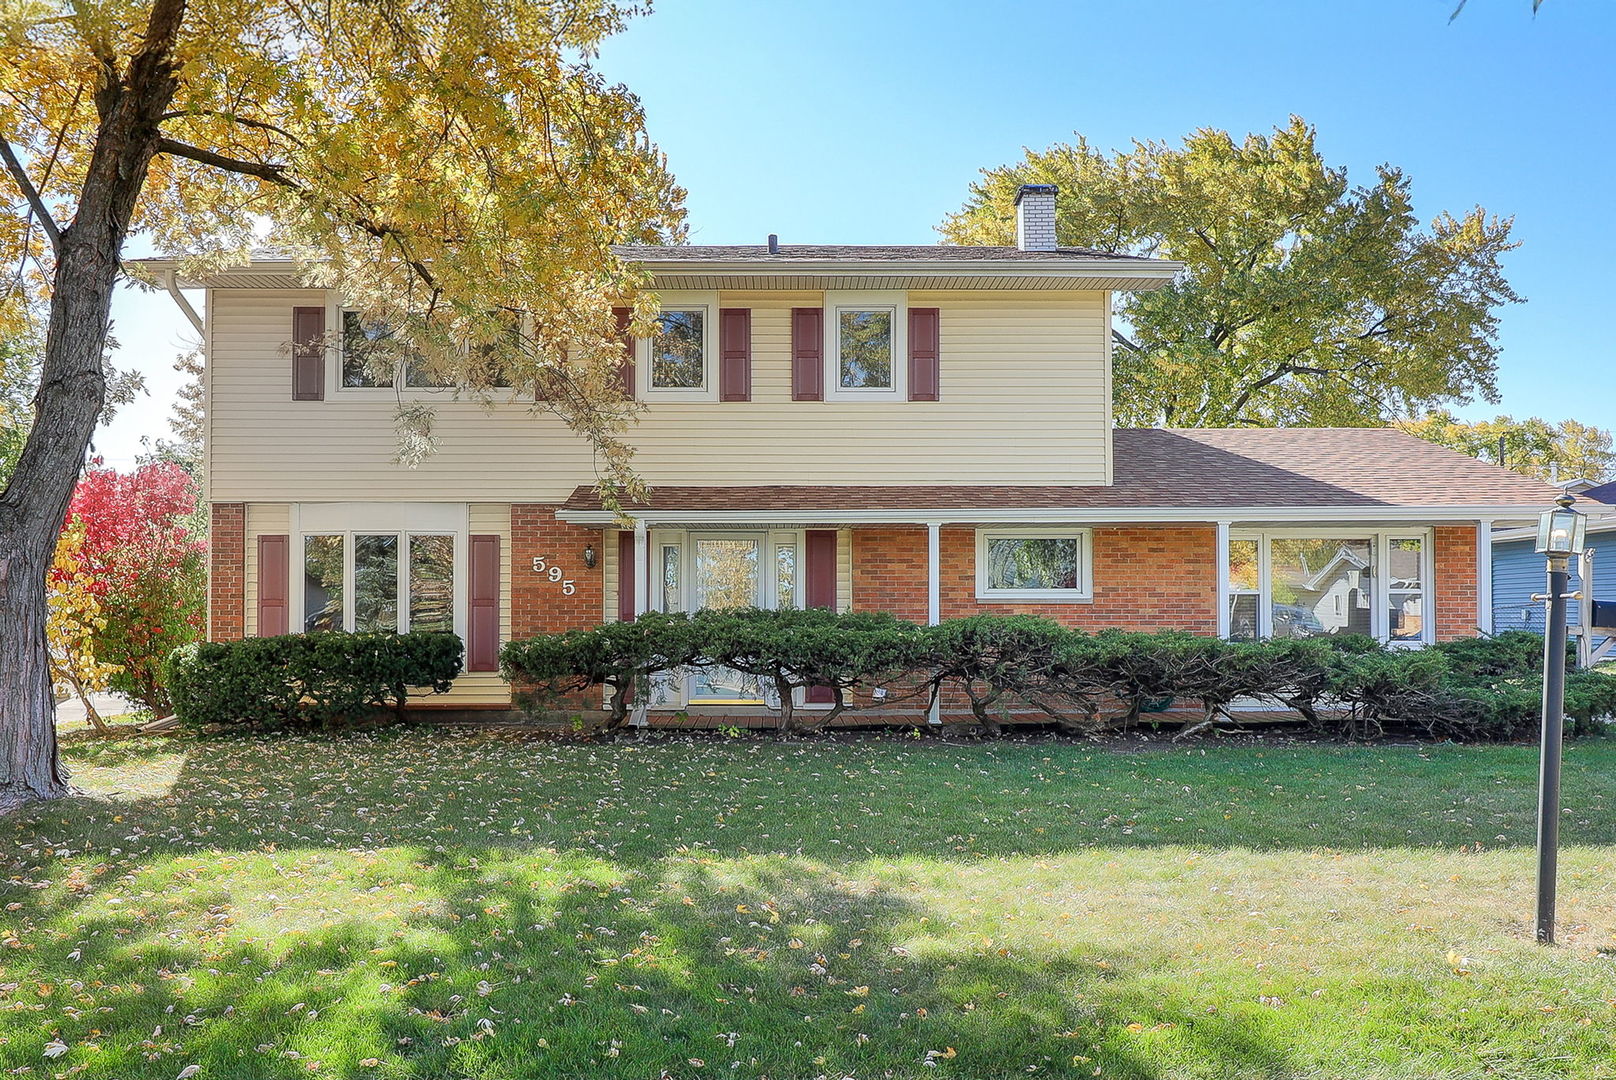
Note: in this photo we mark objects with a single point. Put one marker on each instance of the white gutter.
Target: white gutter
(1098, 515)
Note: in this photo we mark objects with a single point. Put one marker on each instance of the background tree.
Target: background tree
(146, 569)
(1565, 451)
(458, 170)
(1304, 300)
(74, 622)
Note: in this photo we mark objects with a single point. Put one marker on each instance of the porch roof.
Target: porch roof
(1208, 474)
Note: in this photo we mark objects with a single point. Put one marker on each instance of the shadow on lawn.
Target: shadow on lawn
(614, 974)
(456, 900)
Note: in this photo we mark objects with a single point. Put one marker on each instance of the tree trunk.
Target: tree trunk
(72, 390)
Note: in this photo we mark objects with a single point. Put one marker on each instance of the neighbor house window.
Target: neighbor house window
(1308, 585)
(1032, 564)
(374, 581)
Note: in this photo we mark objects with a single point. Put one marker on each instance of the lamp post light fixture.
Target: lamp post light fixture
(1560, 535)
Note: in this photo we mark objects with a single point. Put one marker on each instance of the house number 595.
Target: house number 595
(541, 565)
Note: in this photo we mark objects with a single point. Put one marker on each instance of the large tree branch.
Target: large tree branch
(35, 203)
(277, 174)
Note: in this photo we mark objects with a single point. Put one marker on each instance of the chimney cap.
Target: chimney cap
(1035, 189)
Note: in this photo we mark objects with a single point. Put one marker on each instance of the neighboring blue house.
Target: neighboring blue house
(1518, 570)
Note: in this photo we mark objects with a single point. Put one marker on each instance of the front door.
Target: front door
(697, 570)
(726, 573)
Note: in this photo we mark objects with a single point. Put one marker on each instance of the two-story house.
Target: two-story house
(921, 429)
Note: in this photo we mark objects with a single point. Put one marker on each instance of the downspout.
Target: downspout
(185, 305)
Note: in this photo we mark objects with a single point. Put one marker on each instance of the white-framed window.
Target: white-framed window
(367, 350)
(1047, 564)
(379, 567)
(866, 346)
(679, 361)
(1301, 583)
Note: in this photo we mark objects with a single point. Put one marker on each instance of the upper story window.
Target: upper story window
(679, 350)
(677, 362)
(370, 350)
(865, 346)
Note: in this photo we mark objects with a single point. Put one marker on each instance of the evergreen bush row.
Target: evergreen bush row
(1486, 688)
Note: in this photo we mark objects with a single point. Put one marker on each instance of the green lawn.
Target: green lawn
(416, 904)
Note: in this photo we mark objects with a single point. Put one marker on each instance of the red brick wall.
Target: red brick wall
(1454, 590)
(227, 572)
(1145, 578)
(538, 605)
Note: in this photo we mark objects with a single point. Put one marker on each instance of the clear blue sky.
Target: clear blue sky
(863, 122)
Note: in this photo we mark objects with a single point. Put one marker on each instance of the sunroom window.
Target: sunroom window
(1301, 585)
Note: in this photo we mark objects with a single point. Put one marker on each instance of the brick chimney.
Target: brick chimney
(1035, 217)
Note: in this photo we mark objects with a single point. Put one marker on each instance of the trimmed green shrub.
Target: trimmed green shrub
(622, 656)
(320, 678)
(1473, 689)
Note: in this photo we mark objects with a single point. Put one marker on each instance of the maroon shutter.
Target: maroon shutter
(807, 354)
(924, 375)
(819, 589)
(625, 576)
(308, 354)
(482, 622)
(735, 354)
(274, 574)
(624, 316)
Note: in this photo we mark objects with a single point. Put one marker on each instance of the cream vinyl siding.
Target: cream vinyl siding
(263, 519)
(1024, 402)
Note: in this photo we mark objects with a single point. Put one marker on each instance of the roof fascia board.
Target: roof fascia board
(1094, 515)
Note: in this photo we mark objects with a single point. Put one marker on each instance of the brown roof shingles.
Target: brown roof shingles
(1180, 468)
(855, 253)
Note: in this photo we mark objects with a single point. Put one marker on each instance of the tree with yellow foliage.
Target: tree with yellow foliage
(73, 621)
(458, 170)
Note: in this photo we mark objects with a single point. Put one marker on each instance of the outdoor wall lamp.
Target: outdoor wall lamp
(1560, 535)
(589, 556)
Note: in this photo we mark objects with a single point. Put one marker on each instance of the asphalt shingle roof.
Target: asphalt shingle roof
(1181, 468)
(853, 253)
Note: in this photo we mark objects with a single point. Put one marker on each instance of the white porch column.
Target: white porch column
(1484, 576)
(934, 595)
(641, 569)
(1222, 570)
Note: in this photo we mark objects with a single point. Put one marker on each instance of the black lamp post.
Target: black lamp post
(1560, 535)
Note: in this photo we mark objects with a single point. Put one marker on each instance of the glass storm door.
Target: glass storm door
(726, 573)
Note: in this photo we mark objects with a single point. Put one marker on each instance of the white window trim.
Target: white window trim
(898, 302)
(1083, 594)
(396, 390)
(1380, 603)
(378, 519)
(708, 390)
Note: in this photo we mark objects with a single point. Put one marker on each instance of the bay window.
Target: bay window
(1305, 584)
